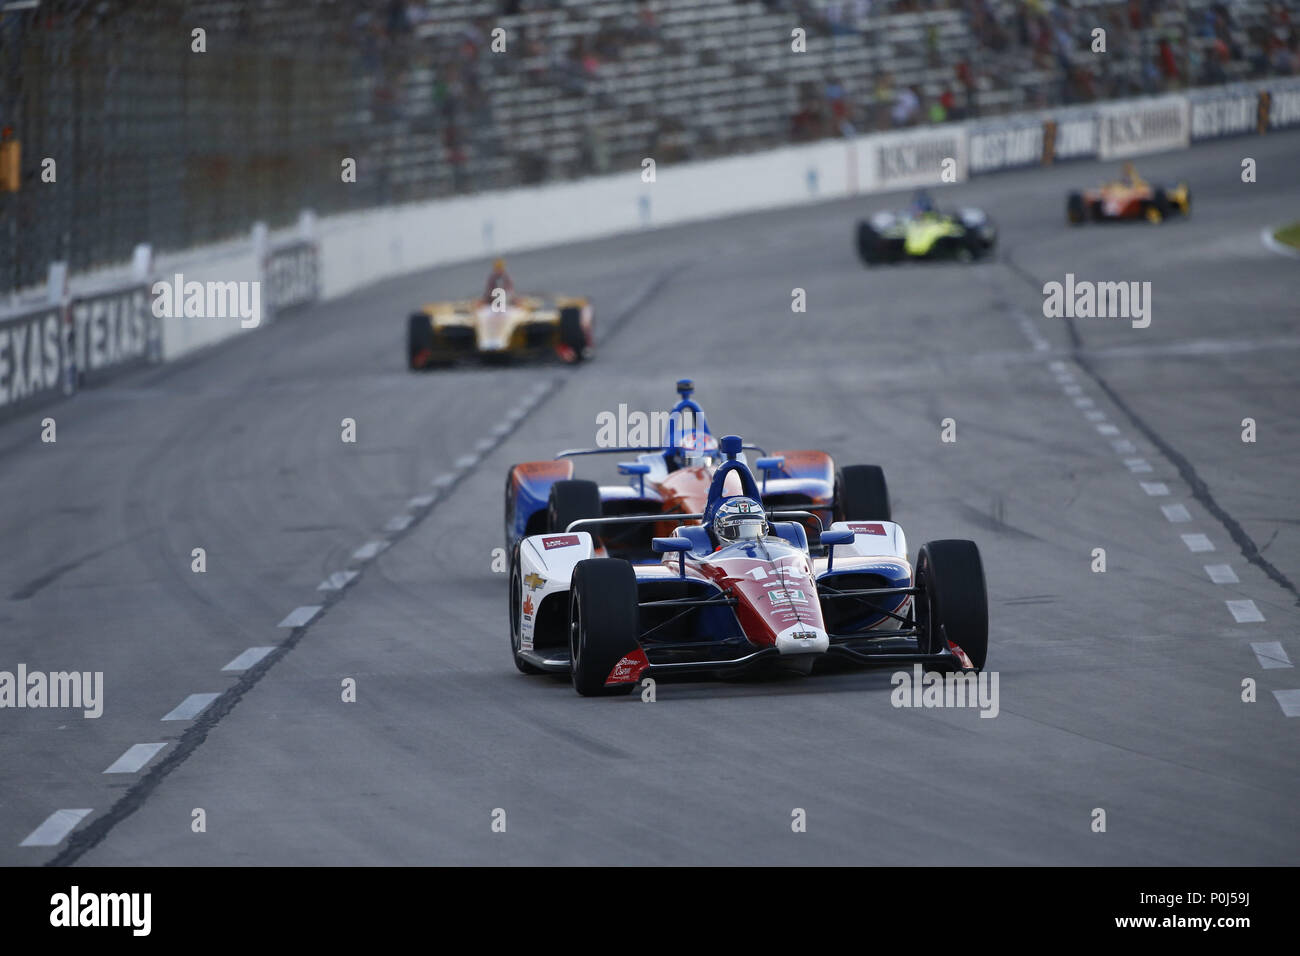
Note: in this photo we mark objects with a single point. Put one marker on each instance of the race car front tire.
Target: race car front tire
(603, 623)
(572, 335)
(861, 494)
(419, 340)
(571, 500)
(953, 600)
(516, 609)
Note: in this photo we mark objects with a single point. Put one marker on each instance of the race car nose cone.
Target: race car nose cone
(803, 639)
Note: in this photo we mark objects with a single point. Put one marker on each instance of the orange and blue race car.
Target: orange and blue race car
(1129, 197)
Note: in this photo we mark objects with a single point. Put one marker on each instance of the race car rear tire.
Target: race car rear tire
(572, 335)
(603, 623)
(868, 244)
(861, 494)
(419, 340)
(569, 501)
(953, 600)
(516, 608)
(1161, 204)
(1075, 212)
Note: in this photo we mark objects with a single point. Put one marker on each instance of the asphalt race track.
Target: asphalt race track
(1119, 690)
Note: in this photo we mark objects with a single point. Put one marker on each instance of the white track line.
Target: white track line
(369, 550)
(1155, 489)
(1139, 466)
(1107, 429)
(136, 756)
(336, 581)
(1096, 415)
(1271, 655)
(1177, 513)
(191, 706)
(465, 462)
(1072, 390)
(1245, 612)
(420, 501)
(55, 828)
(248, 658)
(442, 481)
(1222, 574)
(1289, 701)
(1198, 542)
(398, 523)
(1123, 446)
(300, 616)
(1083, 401)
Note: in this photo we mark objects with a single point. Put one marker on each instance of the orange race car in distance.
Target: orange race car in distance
(1130, 197)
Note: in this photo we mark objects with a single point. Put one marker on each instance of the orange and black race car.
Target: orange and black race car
(1130, 197)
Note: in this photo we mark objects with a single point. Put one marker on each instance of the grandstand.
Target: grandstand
(157, 142)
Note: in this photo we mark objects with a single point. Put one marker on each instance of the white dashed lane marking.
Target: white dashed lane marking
(1107, 429)
(1072, 390)
(1245, 612)
(1176, 513)
(1096, 415)
(398, 523)
(1271, 655)
(369, 550)
(300, 616)
(1083, 401)
(1123, 446)
(247, 659)
(1154, 488)
(420, 501)
(56, 826)
(1222, 574)
(336, 581)
(1289, 701)
(442, 481)
(1197, 542)
(466, 462)
(136, 756)
(191, 706)
(1139, 466)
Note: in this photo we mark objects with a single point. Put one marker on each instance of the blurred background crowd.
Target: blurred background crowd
(156, 141)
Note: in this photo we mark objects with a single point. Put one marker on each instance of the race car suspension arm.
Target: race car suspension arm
(858, 596)
(687, 604)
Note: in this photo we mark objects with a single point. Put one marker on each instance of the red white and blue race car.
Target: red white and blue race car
(736, 587)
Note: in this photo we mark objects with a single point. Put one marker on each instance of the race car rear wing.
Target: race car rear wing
(582, 523)
(624, 449)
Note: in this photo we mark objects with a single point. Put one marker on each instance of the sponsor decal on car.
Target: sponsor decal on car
(628, 669)
(528, 606)
(862, 528)
(560, 541)
(787, 596)
(533, 580)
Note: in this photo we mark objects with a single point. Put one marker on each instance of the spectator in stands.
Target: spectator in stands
(907, 105)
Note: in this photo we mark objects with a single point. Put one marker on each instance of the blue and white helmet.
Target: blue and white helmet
(739, 519)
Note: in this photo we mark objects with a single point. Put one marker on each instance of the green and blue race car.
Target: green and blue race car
(924, 232)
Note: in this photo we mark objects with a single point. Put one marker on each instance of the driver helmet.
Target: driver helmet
(696, 447)
(498, 266)
(922, 202)
(739, 519)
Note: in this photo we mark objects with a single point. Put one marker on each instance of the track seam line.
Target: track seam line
(1199, 489)
(83, 840)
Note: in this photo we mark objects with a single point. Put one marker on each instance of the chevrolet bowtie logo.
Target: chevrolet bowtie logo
(534, 580)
